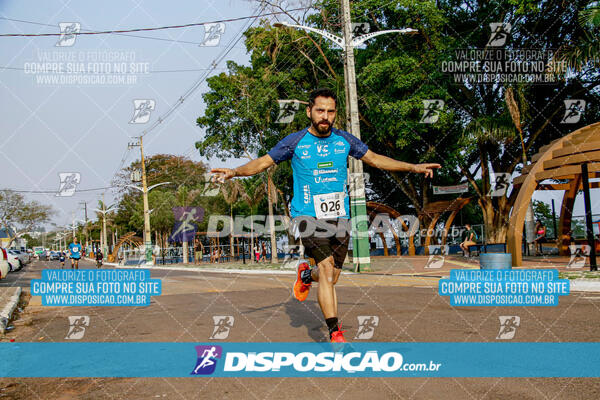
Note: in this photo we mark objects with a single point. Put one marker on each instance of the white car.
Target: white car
(21, 255)
(14, 263)
(3, 264)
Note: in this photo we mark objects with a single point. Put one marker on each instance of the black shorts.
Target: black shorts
(323, 238)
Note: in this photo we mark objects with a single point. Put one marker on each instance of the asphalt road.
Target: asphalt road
(408, 308)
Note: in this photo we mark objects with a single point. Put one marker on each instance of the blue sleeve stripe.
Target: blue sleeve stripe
(357, 147)
(284, 150)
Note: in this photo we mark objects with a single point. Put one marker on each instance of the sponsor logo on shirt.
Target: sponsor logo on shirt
(340, 147)
(323, 149)
(326, 164)
(305, 155)
(319, 179)
(324, 171)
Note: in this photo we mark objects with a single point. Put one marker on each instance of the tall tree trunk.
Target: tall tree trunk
(231, 246)
(270, 199)
(185, 252)
(252, 235)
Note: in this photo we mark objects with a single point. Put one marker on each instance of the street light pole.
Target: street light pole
(358, 206)
(104, 243)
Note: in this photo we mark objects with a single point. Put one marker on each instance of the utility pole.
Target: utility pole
(73, 226)
(86, 223)
(360, 253)
(147, 234)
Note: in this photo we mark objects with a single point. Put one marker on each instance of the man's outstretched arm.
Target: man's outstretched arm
(389, 164)
(250, 168)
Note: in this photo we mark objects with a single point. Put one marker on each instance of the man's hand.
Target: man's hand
(426, 169)
(222, 174)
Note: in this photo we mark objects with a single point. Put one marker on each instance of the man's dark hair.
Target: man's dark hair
(321, 92)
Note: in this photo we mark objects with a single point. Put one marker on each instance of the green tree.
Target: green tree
(19, 216)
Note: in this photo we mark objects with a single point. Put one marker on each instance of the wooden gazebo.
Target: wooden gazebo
(374, 208)
(564, 160)
(435, 210)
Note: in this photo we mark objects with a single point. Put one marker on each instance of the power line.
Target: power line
(152, 72)
(119, 34)
(151, 29)
(234, 41)
(228, 48)
(56, 191)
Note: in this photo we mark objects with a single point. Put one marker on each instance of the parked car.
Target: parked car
(54, 255)
(43, 256)
(21, 255)
(4, 267)
(14, 264)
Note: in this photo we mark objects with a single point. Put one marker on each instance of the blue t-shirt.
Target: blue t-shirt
(319, 167)
(75, 250)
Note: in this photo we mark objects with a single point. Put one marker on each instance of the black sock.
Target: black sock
(306, 276)
(332, 324)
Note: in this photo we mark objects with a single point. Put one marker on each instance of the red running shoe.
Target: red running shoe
(301, 289)
(338, 336)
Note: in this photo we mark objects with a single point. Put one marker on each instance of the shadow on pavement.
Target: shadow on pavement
(307, 314)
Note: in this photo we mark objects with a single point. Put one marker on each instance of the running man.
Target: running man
(75, 253)
(61, 258)
(320, 206)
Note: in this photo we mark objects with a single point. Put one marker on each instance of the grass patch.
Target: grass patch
(236, 265)
(579, 275)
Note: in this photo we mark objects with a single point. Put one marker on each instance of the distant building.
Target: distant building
(5, 238)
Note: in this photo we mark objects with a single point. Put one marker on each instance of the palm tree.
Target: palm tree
(253, 192)
(586, 51)
(231, 191)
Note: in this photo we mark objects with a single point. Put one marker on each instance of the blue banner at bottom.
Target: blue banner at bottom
(300, 359)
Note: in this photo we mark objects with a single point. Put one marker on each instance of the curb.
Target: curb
(215, 270)
(585, 285)
(6, 313)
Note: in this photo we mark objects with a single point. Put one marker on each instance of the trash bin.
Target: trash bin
(495, 261)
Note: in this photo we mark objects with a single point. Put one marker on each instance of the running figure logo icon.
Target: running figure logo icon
(436, 256)
(211, 189)
(287, 111)
(360, 28)
(579, 255)
(68, 183)
(207, 359)
(366, 326)
(141, 110)
(185, 223)
(68, 33)
(508, 326)
(499, 183)
(77, 325)
(573, 110)
(431, 111)
(499, 35)
(213, 33)
(223, 324)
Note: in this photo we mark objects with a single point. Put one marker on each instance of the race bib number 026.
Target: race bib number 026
(329, 205)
